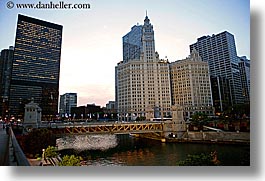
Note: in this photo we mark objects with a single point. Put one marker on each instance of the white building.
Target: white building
(142, 86)
(190, 85)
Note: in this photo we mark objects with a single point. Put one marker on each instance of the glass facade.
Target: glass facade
(221, 93)
(67, 101)
(132, 43)
(244, 67)
(6, 60)
(36, 66)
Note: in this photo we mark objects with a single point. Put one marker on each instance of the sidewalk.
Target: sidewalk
(4, 146)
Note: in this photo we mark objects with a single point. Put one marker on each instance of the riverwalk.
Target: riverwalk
(4, 147)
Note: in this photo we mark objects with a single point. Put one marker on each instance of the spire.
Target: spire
(146, 20)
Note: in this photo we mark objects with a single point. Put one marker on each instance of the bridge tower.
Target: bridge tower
(177, 126)
(32, 116)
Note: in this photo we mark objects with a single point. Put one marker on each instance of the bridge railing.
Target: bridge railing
(18, 154)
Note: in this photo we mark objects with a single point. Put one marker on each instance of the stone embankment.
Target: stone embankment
(214, 137)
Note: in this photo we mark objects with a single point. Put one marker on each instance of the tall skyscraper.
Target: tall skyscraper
(244, 67)
(191, 86)
(67, 102)
(220, 53)
(132, 43)
(6, 60)
(36, 66)
(142, 80)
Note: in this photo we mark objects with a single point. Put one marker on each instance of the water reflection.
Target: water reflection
(87, 142)
(132, 151)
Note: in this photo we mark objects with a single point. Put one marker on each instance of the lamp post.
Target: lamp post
(43, 156)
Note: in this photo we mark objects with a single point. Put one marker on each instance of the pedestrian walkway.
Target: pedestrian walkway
(4, 147)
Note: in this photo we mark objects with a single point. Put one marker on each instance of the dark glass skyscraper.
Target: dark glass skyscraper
(244, 67)
(132, 43)
(220, 53)
(6, 60)
(36, 66)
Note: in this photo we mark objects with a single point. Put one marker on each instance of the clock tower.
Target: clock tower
(148, 41)
(142, 81)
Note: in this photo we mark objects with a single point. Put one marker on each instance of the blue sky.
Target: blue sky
(92, 39)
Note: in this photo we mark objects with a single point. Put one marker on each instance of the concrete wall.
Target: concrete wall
(218, 136)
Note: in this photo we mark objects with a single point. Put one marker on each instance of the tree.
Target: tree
(38, 139)
(199, 119)
(51, 152)
(71, 161)
(200, 160)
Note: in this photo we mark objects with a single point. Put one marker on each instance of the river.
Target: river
(131, 151)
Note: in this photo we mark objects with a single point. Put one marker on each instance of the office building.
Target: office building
(220, 53)
(110, 105)
(244, 67)
(142, 81)
(36, 67)
(6, 60)
(90, 111)
(132, 43)
(67, 102)
(191, 86)
(221, 93)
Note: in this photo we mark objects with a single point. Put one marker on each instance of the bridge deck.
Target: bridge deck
(109, 128)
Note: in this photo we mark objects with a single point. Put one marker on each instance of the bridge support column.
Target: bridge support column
(177, 126)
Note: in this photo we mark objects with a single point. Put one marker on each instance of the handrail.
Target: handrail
(18, 154)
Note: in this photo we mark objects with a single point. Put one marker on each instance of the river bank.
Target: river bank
(242, 138)
(239, 138)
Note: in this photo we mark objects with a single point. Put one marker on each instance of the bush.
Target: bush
(200, 160)
(70, 161)
(51, 152)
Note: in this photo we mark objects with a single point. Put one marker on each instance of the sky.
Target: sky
(92, 38)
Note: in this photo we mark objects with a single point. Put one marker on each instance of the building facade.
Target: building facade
(6, 60)
(220, 53)
(36, 67)
(244, 67)
(110, 105)
(67, 102)
(142, 84)
(132, 43)
(191, 86)
(90, 111)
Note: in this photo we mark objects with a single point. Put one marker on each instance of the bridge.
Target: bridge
(10, 152)
(108, 128)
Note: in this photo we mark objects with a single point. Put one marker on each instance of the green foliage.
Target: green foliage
(200, 119)
(200, 160)
(51, 152)
(70, 161)
(38, 139)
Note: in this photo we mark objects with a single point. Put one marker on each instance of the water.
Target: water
(132, 151)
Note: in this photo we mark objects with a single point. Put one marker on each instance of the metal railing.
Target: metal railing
(18, 155)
